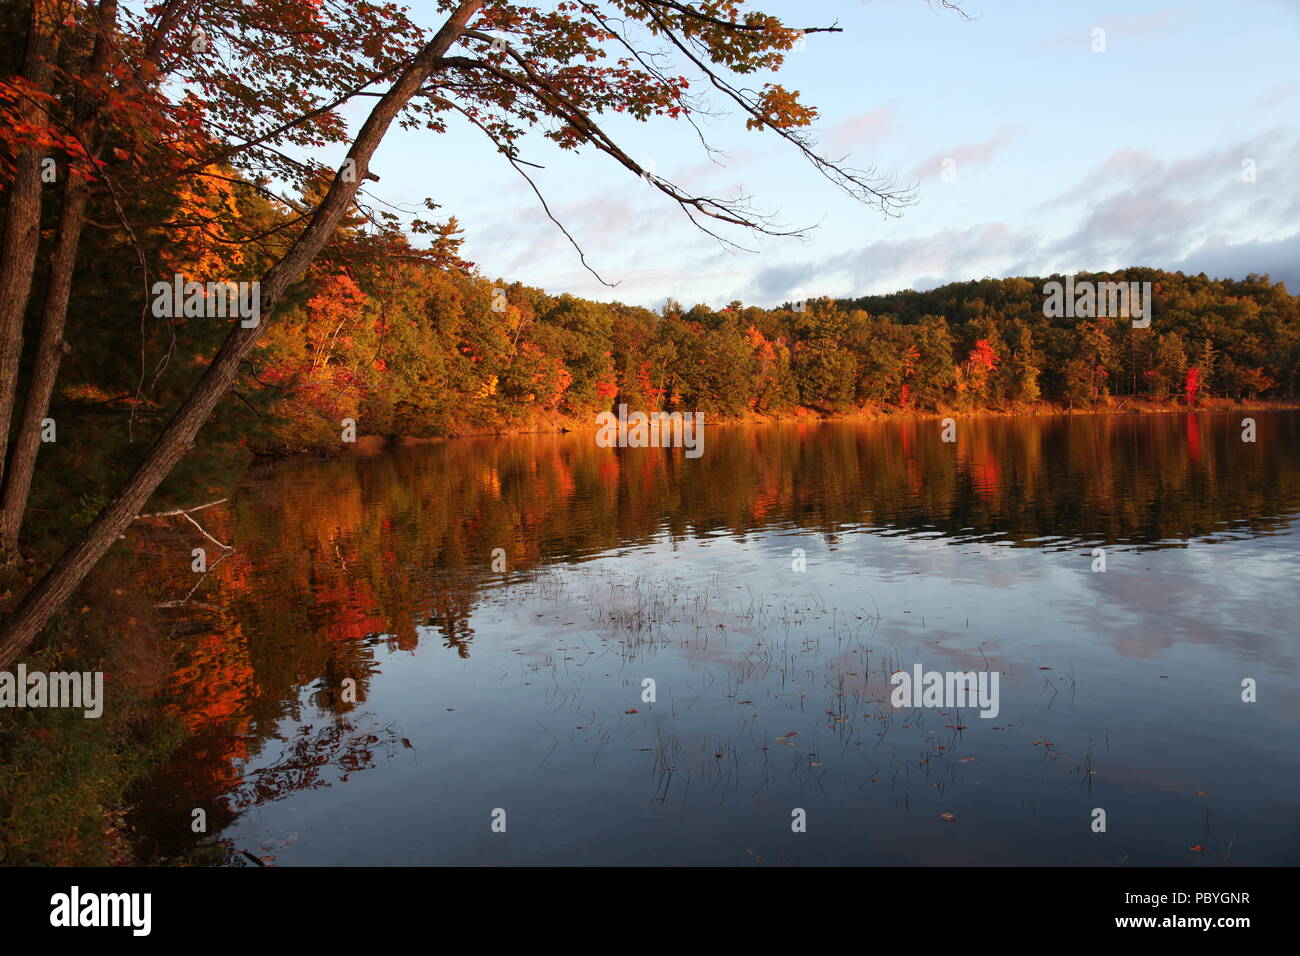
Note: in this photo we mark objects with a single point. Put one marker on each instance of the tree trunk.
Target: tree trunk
(63, 260)
(49, 355)
(22, 232)
(177, 438)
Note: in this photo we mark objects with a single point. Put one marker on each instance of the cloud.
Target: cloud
(866, 127)
(970, 155)
(1162, 22)
(1132, 208)
(1128, 166)
(1276, 95)
(887, 264)
(1192, 214)
(647, 286)
(1135, 209)
(1278, 259)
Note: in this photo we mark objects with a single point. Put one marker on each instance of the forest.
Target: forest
(144, 142)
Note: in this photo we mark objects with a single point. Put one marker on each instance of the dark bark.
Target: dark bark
(177, 438)
(22, 231)
(63, 260)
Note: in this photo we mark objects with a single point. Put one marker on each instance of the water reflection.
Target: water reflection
(356, 662)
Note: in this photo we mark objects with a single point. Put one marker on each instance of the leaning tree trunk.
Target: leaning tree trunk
(50, 346)
(177, 438)
(22, 232)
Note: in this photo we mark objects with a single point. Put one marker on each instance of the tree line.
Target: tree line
(412, 352)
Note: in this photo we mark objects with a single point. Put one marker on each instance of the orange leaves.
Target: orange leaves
(339, 298)
(205, 207)
(780, 108)
(911, 355)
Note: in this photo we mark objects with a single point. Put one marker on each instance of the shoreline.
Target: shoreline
(563, 424)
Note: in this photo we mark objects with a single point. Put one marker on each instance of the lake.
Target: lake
(363, 686)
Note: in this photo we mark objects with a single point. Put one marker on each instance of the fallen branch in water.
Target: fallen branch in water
(182, 511)
(187, 512)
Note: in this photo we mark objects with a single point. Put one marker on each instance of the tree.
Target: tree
(775, 387)
(261, 90)
(977, 379)
(1078, 383)
(825, 372)
(1205, 361)
(18, 244)
(882, 349)
(1096, 349)
(520, 65)
(935, 372)
(1170, 369)
(1023, 370)
(75, 563)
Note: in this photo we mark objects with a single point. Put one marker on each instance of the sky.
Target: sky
(1177, 147)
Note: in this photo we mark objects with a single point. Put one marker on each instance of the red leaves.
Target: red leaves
(646, 383)
(1192, 384)
(17, 96)
(983, 357)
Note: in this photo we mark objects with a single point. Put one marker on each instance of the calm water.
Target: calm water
(522, 689)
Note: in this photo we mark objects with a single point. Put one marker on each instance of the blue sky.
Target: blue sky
(1065, 159)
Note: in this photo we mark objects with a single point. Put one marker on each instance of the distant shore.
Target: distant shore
(563, 424)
